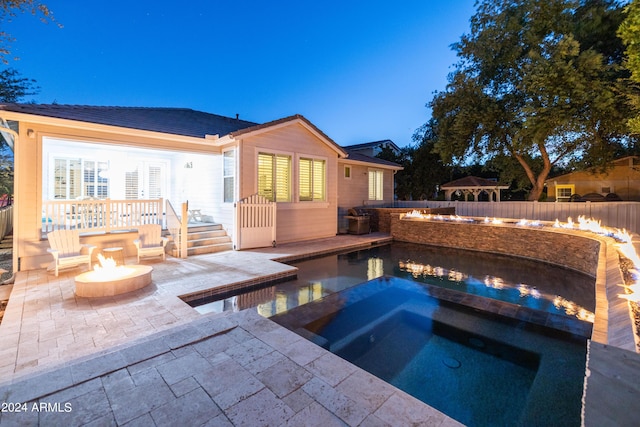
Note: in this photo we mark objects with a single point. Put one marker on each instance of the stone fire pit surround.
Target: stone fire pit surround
(93, 285)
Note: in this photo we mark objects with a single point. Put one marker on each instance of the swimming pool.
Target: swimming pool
(477, 367)
(524, 283)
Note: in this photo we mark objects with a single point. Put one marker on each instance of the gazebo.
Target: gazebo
(474, 186)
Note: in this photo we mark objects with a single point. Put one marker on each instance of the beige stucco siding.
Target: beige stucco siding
(354, 191)
(295, 220)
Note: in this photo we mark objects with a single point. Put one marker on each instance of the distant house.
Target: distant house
(620, 182)
(103, 170)
(374, 148)
(476, 188)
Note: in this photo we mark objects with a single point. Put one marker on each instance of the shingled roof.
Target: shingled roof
(472, 182)
(355, 156)
(176, 121)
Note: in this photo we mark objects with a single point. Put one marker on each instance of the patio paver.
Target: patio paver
(148, 358)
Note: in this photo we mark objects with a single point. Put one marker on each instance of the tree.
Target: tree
(629, 32)
(535, 84)
(428, 171)
(9, 9)
(13, 87)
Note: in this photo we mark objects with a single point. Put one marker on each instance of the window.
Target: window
(78, 178)
(131, 185)
(564, 192)
(347, 172)
(312, 179)
(375, 184)
(274, 177)
(228, 173)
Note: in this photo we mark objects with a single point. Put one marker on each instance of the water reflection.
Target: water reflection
(527, 295)
(514, 280)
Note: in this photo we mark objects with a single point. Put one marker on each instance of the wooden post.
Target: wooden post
(184, 229)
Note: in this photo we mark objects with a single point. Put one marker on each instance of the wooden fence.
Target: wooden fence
(623, 215)
(6, 221)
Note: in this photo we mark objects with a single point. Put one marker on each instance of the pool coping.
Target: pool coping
(56, 375)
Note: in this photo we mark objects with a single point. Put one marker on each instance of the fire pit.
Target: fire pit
(107, 279)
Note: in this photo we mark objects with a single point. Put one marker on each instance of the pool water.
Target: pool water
(481, 369)
(519, 281)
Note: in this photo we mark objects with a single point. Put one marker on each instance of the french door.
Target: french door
(146, 181)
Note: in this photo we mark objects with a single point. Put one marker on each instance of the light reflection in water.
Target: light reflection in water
(418, 270)
(320, 277)
(375, 268)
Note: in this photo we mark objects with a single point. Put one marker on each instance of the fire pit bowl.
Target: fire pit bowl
(119, 280)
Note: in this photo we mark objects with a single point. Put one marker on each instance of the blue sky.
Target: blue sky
(359, 70)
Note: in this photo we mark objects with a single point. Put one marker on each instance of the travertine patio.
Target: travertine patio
(148, 358)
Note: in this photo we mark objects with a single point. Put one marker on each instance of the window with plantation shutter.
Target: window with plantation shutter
(155, 182)
(274, 177)
(131, 185)
(228, 175)
(283, 178)
(311, 179)
(304, 174)
(375, 184)
(78, 178)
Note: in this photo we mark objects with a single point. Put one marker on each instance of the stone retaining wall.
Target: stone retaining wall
(566, 248)
(381, 217)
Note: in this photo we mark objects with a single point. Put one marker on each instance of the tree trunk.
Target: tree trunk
(537, 182)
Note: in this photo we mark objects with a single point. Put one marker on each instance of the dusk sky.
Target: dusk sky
(359, 70)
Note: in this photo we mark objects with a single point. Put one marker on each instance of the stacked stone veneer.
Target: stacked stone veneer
(381, 217)
(566, 248)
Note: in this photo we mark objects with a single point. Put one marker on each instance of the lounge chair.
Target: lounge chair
(67, 250)
(150, 241)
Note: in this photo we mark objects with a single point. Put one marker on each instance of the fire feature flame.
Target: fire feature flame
(108, 270)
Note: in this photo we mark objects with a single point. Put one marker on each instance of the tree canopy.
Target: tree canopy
(629, 32)
(8, 10)
(538, 81)
(14, 87)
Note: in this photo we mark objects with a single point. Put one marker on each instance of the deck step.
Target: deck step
(205, 239)
(209, 249)
(208, 240)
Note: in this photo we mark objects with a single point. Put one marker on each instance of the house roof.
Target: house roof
(359, 157)
(373, 144)
(473, 182)
(177, 121)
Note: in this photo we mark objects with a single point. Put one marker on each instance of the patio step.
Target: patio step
(206, 239)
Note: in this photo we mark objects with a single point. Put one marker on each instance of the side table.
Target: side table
(117, 253)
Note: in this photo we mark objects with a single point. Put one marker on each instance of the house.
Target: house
(472, 186)
(374, 148)
(364, 181)
(105, 170)
(620, 181)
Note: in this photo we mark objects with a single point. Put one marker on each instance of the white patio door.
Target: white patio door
(146, 181)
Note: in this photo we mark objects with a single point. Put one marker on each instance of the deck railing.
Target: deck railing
(177, 226)
(100, 215)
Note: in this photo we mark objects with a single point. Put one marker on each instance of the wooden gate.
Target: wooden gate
(256, 222)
